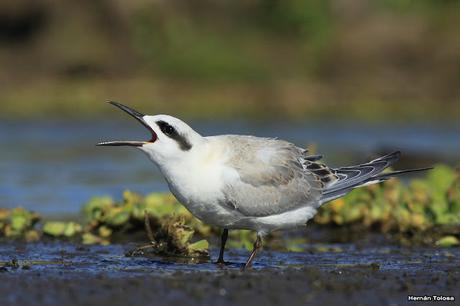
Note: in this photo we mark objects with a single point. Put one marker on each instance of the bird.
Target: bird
(247, 182)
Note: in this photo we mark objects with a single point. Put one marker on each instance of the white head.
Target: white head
(172, 139)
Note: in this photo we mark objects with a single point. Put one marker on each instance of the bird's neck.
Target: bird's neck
(189, 178)
(198, 158)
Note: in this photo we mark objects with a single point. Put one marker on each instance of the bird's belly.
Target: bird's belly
(286, 220)
(207, 210)
(213, 214)
(203, 201)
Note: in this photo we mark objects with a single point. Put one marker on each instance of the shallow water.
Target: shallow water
(56, 258)
(54, 167)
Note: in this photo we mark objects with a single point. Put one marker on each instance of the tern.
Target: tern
(247, 182)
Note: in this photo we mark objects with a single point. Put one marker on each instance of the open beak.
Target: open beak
(139, 117)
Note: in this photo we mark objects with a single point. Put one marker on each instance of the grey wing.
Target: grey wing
(272, 177)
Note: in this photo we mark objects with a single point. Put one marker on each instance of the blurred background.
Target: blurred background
(349, 78)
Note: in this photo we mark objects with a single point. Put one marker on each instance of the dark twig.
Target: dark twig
(148, 228)
(152, 243)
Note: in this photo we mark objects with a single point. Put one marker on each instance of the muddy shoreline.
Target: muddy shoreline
(352, 286)
(69, 274)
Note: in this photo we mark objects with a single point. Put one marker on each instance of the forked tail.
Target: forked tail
(369, 173)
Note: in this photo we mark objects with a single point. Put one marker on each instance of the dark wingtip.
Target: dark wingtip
(391, 157)
(399, 172)
(395, 154)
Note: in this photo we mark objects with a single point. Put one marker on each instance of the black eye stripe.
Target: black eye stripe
(172, 133)
(166, 128)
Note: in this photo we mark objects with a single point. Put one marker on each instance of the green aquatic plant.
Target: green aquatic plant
(19, 222)
(424, 206)
(61, 229)
(423, 211)
(170, 226)
(448, 241)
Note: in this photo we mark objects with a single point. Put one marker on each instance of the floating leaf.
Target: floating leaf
(199, 248)
(89, 238)
(116, 216)
(95, 208)
(448, 241)
(57, 228)
(17, 221)
(54, 228)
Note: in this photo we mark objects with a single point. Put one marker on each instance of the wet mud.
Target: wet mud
(59, 273)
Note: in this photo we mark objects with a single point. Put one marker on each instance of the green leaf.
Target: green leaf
(18, 222)
(448, 241)
(116, 216)
(199, 246)
(89, 238)
(95, 207)
(57, 228)
(54, 228)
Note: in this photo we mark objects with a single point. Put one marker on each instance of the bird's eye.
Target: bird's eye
(166, 128)
(172, 133)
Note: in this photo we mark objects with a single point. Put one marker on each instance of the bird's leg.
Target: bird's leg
(257, 246)
(223, 241)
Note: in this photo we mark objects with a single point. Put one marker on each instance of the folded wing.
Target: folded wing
(272, 177)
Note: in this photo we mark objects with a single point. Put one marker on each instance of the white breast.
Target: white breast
(197, 183)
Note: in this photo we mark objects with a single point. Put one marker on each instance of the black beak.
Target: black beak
(139, 117)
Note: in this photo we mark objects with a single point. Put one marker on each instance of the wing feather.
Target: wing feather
(272, 177)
